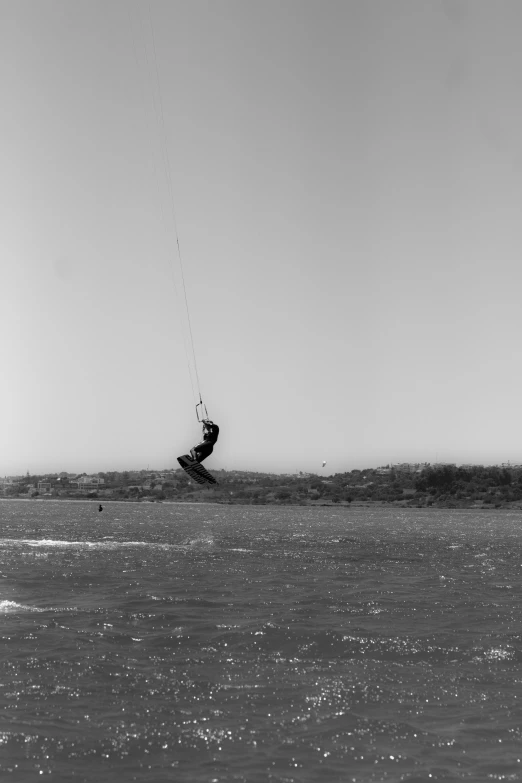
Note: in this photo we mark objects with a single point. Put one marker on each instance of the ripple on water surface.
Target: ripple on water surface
(201, 643)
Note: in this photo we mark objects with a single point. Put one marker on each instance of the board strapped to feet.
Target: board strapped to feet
(195, 470)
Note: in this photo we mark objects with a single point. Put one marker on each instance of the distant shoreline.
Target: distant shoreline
(399, 486)
(508, 506)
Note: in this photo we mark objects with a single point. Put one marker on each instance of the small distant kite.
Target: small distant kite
(324, 463)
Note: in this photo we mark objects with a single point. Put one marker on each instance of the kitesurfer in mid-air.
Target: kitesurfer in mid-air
(206, 447)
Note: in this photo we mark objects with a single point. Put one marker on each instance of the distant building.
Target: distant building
(411, 467)
(163, 476)
(88, 482)
(5, 483)
(44, 486)
(9, 482)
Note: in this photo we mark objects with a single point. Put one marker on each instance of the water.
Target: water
(197, 643)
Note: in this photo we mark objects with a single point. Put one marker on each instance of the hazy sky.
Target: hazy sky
(346, 181)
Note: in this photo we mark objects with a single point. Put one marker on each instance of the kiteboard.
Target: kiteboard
(195, 470)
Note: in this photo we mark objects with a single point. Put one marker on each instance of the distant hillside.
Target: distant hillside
(439, 486)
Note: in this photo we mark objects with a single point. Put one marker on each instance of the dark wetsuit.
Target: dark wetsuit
(206, 447)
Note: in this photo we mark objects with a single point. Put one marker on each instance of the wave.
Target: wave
(11, 607)
(102, 544)
(108, 543)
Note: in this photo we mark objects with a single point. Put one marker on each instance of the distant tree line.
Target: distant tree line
(443, 486)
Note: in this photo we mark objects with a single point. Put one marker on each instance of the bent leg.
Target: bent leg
(202, 451)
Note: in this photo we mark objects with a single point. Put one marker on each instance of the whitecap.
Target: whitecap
(10, 607)
(103, 544)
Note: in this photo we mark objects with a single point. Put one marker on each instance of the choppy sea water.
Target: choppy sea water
(197, 643)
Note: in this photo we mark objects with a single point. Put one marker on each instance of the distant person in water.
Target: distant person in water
(100, 507)
(206, 447)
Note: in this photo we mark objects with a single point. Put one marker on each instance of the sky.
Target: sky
(344, 181)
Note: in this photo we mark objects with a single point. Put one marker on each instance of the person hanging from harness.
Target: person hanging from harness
(191, 463)
(205, 448)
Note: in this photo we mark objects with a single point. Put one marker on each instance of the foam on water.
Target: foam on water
(105, 543)
(11, 607)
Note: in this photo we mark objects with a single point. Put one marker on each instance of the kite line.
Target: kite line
(157, 101)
